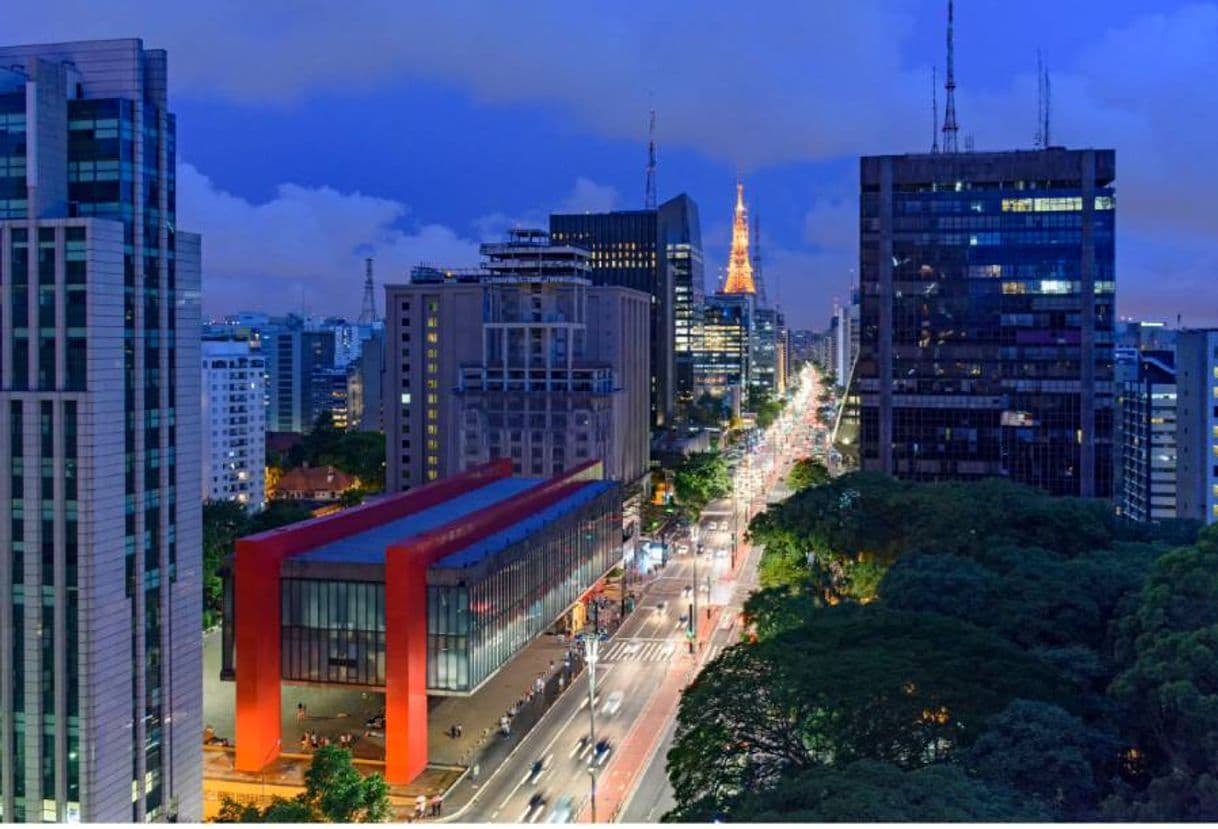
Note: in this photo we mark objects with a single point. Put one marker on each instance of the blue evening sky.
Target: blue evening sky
(312, 134)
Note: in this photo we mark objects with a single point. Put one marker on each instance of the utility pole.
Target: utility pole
(591, 655)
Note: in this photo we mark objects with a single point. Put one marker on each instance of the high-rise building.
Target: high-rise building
(234, 423)
(365, 378)
(764, 370)
(100, 536)
(1197, 425)
(986, 317)
(680, 239)
(655, 251)
(1146, 427)
(523, 359)
(722, 364)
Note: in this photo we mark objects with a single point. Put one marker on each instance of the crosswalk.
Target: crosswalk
(652, 650)
(641, 650)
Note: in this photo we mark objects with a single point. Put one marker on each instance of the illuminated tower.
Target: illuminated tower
(739, 269)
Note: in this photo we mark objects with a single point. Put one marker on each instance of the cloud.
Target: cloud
(590, 197)
(305, 246)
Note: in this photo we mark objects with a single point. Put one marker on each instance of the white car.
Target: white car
(561, 813)
(612, 704)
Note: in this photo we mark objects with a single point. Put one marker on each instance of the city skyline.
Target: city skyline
(406, 172)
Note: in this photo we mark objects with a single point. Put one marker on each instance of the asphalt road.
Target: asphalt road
(632, 662)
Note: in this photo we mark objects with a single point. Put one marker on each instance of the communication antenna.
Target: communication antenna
(1039, 141)
(934, 109)
(367, 314)
(950, 127)
(649, 198)
(1048, 110)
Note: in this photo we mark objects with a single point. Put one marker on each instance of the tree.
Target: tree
(869, 791)
(701, 478)
(335, 792)
(223, 523)
(1043, 751)
(856, 683)
(341, 793)
(807, 472)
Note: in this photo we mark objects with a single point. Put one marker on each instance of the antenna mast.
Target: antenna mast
(649, 199)
(950, 127)
(1048, 109)
(934, 109)
(367, 314)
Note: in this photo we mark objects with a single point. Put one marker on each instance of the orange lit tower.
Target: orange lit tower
(739, 268)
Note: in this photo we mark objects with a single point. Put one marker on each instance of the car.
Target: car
(561, 813)
(686, 591)
(661, 607)
(612, 703)
(682, 549)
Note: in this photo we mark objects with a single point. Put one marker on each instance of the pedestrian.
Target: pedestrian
(420, 806)
(460, 730)
(551, 666)
(300, 712)
(437, 803)
(560, 682)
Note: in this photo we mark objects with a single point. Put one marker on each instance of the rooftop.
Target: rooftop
(492, 544)
(368, 547)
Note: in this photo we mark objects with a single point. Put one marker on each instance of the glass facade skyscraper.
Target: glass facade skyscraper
(987, 295)
(100, 550)
(659, 252)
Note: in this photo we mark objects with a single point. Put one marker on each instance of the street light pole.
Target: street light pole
(591, 655)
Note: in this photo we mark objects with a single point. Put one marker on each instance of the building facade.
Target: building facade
(365, 378)
(1146, 426)
(524, 359)
(986, 317)
(100, 536)
(658, 252)
(433, 591)
(234, 423)
(1197, 425)
(722, 362)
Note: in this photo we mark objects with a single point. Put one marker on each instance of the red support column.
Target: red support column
(405, 665)
(257, 603)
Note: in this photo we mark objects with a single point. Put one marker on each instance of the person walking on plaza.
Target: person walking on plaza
(420, 806)
(437, 804)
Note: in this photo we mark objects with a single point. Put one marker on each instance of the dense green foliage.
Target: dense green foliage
(765, 407)
(223, 523)
(807, 472)
(361, 454)
(700, 479)
(960, 652)
(335, 792)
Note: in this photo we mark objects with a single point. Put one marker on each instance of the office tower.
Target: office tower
(234, 423)
(365, 378)
(100, 537)
(522, 359)
(655, 251)
(282, 348)
(722, 361)
(1146, 426)
(328, 396)
(986, 317)
(764, 370)
(1197, 424)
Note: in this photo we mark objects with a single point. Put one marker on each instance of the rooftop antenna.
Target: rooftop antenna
(950, 127)
(934, 108)
(761, 298)
(649, 199)
(1048, 109)
(367, 314)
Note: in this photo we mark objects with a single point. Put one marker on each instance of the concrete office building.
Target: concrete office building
(365, 379)
(987, 317)
(1146, 414)
(1197, 424)
(523, 359)
(658, 252)
(100, 537)
(234, 423)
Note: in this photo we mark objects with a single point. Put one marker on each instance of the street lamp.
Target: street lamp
(591, 655)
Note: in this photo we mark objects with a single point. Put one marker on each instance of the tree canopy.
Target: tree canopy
(335, 792)
(960, 652)
(807, 472)
(701, 478)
